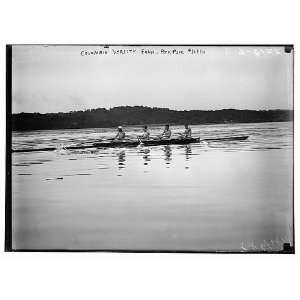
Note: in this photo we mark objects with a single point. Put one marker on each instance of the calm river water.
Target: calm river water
(231, 196)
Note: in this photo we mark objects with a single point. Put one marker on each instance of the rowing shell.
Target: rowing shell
(113, 144)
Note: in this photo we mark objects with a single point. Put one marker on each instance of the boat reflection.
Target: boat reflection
(188, 152)
(146, 156)
(121, 159)
(168, 154)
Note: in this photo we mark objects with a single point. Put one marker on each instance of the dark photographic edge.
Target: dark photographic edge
(288, 250)
(293, 66)
(288, 47)
(8, 183)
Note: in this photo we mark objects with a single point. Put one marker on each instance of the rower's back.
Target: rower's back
(187, 132)
(120, 135)
(146, 133)
(167, 132)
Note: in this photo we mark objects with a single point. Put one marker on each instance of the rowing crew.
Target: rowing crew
(146, 133)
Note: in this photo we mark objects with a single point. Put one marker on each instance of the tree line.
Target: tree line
(140, 115)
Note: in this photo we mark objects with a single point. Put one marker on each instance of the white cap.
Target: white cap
(119, 127)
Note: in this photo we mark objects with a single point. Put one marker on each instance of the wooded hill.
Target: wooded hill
(139, 115)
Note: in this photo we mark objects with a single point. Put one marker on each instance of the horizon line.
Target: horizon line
(151, 107)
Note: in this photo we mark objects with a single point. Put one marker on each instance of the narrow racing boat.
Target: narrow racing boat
(134, 143)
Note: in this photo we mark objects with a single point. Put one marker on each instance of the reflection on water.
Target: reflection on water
(262, 137)
(121, 159)
(146, 156)
(188, 154)
(168, 153)
(203, 196)
(188, 151)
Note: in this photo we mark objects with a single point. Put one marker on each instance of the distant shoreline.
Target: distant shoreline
(149, 125)
(142, 115)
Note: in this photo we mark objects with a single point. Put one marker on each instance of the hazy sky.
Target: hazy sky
(65, 78)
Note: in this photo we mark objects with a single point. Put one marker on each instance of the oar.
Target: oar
(131, 137)
(156, 137)
(115, 139)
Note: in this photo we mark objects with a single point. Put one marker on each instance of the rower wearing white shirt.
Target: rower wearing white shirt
(146, 133)
(121, 134)
(167, 132)
(187, 134)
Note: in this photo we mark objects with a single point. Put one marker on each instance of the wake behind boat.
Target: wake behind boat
(135, 143)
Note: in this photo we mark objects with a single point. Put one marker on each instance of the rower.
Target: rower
(187, 134)
(167, 132)
(146, 133)
(120, 135)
